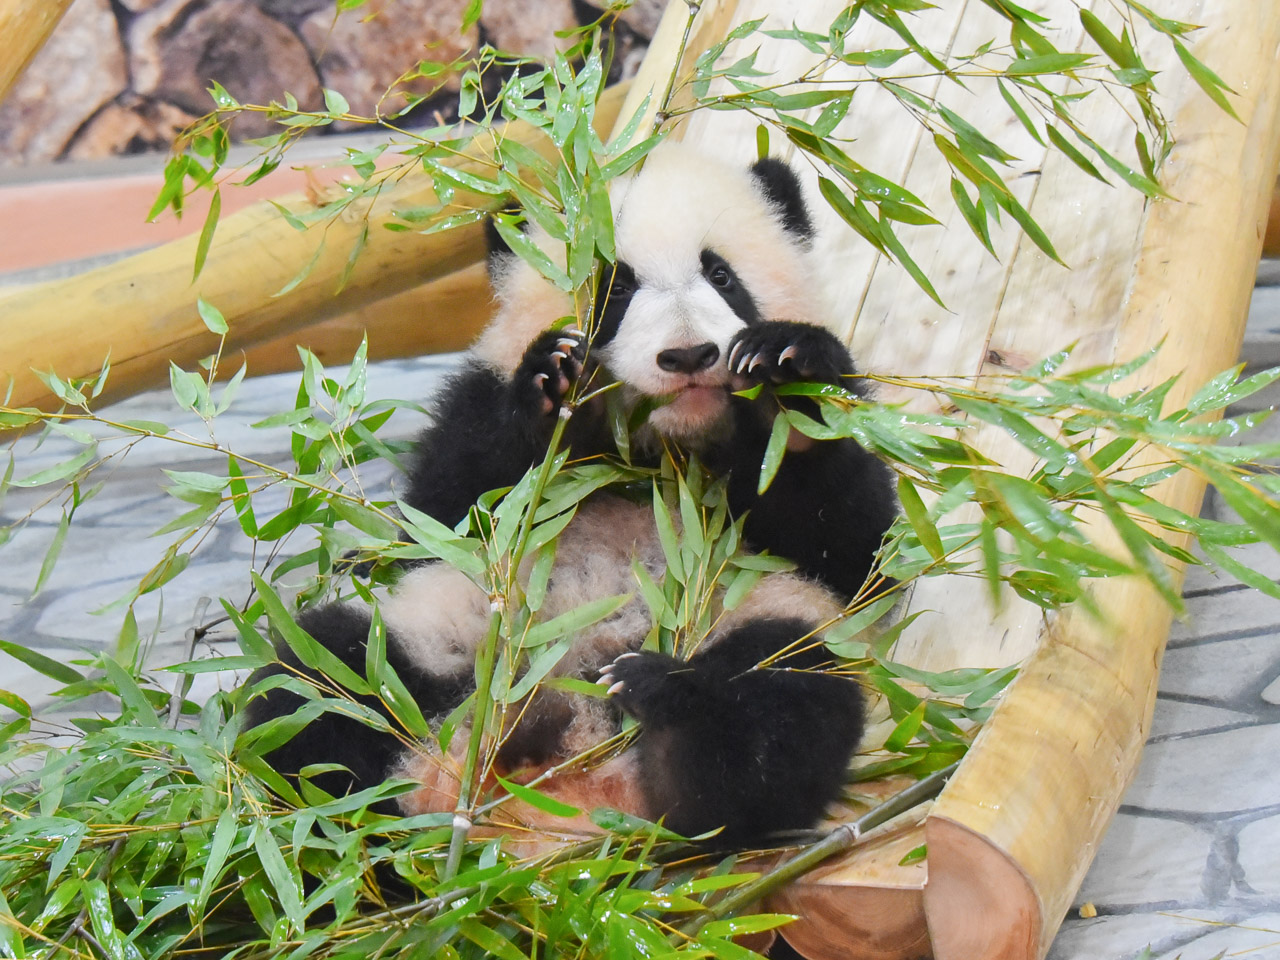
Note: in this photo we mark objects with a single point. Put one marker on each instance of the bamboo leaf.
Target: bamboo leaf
(918, 516)
(773, 452)
(206, 233)
(538, 799)
(1206, 79)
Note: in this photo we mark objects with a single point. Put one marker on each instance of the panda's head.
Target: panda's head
(704, 248)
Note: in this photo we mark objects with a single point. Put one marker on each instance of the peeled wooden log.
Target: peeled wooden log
(1271, 240)
(437, 317)
(1011, 836)
(142, 310)
(25, 26)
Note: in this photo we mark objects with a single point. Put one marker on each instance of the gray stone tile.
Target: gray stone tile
(1147, 860)
(1259, 855)
(1228, 611)
(1124, 936)
(1225, 671)
(1174, 717)
(1252, 938)
(70, 615)
(1217, 773)
(1271, 694)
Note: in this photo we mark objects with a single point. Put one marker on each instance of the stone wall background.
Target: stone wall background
(123, 76)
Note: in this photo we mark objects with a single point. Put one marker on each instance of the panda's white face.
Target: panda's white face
(701, 253)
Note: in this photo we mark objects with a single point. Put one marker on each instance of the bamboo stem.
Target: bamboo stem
(25, 25)
(839, 840)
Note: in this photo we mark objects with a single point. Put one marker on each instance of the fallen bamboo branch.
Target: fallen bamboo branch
(840, 840)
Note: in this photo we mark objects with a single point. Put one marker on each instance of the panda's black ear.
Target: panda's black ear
(782, 187)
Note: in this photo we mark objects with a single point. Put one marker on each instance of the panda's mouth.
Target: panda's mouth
(691, 412)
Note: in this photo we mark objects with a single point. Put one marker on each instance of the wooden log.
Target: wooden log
(141, 309)
(25, 25)
(1011, 837)
(1271, 240)
(437, 317)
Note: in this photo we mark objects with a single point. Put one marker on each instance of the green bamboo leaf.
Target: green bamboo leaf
(1048, 63)
(538, 799)
(914, 855)
(906, 729)
(224, 835)
(206, 233)
(918, 517)
(1074, 155)
(335, 103)
(53, 669)
(59, 472)
(1107, 41)
(212, 316)
(51, 555)
(773, 452)
(493, 943)
(282, 879)
(1206, 79)
(977, 220)
(570, 622)
(1019, 112)
(851, 626)
(1032, 229)
(303, 273)
(1242, 572)
(667, 536)
(310, 652)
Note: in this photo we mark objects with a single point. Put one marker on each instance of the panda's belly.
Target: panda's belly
(440, 616)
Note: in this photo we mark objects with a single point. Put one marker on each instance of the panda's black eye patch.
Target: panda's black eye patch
(726, 282)
(717, 271)
(613, 296)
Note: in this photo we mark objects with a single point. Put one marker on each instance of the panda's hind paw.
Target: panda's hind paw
(550, 366)
(637, 682)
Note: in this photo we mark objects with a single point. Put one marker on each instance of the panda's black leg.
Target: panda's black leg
(725, 743)
(367, 753)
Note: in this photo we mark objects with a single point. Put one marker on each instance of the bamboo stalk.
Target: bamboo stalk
(25, 25)
(141, 309)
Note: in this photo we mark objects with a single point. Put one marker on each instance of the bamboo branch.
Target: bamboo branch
(142, 310)
(839, 840)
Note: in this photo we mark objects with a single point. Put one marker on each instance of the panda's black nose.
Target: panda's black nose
(689, 359)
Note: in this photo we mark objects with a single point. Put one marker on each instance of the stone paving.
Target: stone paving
(1190, 868)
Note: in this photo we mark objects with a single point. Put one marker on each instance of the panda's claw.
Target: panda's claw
(616, 688)
(783, 351)
(624, 656)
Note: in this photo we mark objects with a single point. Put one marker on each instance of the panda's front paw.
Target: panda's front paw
(640, 683)
(549, 367)
(784, 351)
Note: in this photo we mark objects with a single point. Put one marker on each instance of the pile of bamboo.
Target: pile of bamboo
(1011, 836)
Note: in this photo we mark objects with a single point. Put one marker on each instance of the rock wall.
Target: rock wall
(124, 76)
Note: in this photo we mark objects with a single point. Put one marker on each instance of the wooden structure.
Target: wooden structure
(1011, 836)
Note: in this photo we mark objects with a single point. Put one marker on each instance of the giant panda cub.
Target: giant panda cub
(714, 290)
